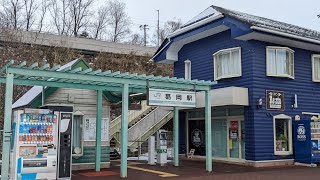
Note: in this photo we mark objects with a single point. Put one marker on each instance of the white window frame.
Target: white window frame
(216, 77)
(313, 67)
(280, 75)
(187, 69)
(281, 117)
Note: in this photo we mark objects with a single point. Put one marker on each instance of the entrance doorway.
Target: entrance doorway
(228, 132)
(235, 136)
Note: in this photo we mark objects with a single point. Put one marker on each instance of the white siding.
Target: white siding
(84, 101)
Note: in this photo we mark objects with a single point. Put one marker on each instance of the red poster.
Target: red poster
(234, 125)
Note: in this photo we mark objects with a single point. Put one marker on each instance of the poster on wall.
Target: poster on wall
(90, 129)
(275, 100)
(233, 132)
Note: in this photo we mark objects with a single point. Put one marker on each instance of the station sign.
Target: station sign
(164, 97)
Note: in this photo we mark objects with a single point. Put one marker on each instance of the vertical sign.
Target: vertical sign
(65, 155)
(275, 100)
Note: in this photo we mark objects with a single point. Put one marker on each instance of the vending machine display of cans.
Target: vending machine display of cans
(306, 141)
(35, 145)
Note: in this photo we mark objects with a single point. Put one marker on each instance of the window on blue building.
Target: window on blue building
(187, 69)
(280, 62)
(316, 68)
(227, 63)
(282, 134)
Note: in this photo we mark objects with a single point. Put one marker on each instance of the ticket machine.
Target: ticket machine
(162, 147)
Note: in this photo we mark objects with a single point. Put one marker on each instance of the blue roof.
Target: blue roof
(214, 13)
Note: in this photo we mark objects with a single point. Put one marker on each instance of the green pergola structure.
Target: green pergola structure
(33, 75)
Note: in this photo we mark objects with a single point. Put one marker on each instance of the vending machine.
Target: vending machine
(306, 141)
(35, 144)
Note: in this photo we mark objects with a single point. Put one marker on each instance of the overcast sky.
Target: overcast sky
(298, 12)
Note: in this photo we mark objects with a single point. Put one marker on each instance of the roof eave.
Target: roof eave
(184, 30)
(257, 28)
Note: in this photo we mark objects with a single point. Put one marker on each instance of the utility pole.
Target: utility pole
(144, 33)
(158, 31)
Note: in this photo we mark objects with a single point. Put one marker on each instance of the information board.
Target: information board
(90, 129)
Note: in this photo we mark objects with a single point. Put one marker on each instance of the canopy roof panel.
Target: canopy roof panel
(94, 79)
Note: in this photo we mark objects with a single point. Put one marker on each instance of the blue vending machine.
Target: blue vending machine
(306, 135)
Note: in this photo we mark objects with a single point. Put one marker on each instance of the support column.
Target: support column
(98, 129)
(7, 128)
(176, 136)
(124, 131)
(208, 131)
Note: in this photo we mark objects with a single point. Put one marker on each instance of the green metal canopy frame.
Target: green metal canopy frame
(100, 81)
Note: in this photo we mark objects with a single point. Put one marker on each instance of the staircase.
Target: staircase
(133, 118)
(145, 125)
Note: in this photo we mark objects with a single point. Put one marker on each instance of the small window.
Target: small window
(316, 68)
(227, 63)
(280, 62)
(77, 136)
(187, 69)
(282, 125)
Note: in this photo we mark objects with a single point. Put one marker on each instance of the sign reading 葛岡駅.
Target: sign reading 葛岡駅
(163, 97)
(275, 100)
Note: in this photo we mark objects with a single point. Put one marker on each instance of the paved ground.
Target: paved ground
(196, 170)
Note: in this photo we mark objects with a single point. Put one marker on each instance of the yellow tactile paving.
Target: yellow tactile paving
(160, 173)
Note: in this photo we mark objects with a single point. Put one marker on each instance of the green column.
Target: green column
(7, 128)
(98, 129)
(176, 136)
(124, 131)
(208, 131)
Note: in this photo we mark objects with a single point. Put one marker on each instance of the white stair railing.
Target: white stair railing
(115, 124)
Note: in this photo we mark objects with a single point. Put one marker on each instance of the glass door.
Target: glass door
(235, 138)
(219, 135)
(242, 134)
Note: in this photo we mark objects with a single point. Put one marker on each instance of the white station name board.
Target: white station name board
(163, 97)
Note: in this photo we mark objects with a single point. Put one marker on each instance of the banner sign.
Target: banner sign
(163, 97)
(275, 100)
(134, 105)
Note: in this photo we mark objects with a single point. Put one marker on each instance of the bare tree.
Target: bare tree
(43, 11)
(79, 11)
(169, 27)
(137, 39)
(119, 21)
(31, 7)
(100, 22)
(12, 12)
(59, 10)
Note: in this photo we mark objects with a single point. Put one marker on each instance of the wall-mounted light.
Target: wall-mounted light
(259, 103)
(295, 101)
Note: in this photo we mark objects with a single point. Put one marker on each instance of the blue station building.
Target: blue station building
(267, 75)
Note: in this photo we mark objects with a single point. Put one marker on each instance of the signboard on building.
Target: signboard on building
(275, 100)
(134, 105)
(163, 97)
(90, 129)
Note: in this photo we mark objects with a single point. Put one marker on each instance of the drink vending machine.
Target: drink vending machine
(35, 145)
(306, 141)
(41, 145)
